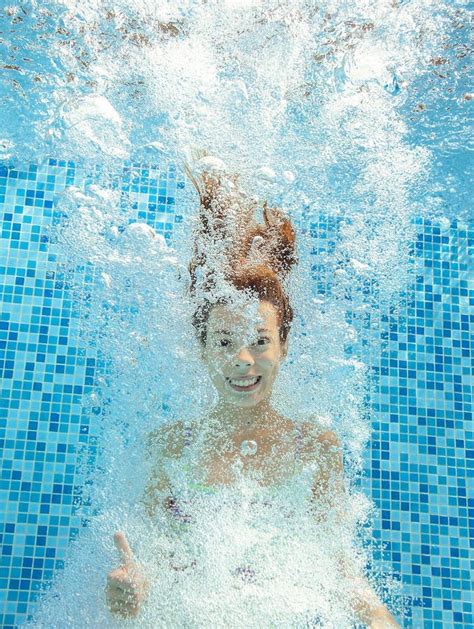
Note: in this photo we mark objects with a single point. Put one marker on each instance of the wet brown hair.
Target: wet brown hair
(254, 258)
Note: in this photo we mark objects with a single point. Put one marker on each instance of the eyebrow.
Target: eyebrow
(229, 333)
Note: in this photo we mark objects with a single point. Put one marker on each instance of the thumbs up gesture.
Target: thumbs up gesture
(127, 588)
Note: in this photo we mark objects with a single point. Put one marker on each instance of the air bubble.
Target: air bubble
(265, 173)
(392, 86)
(211, 164)
(137, 234)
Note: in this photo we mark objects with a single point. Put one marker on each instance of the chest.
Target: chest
(263, 455)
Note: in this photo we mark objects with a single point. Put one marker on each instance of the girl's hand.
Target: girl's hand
(127, 587)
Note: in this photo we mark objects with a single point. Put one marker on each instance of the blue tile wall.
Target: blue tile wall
(420, 461)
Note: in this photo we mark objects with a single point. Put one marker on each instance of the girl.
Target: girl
(239, 276)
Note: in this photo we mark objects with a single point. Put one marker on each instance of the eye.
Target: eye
(223, 343)
(262, 341)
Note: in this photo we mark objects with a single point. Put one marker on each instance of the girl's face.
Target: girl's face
(243, 353)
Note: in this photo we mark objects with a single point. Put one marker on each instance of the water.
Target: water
(351, 116)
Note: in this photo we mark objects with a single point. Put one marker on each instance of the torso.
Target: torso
(278, 451)
(272, 462)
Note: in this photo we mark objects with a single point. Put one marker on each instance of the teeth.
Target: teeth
(243, 383)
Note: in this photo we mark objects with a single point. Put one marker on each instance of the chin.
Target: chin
(252, 403)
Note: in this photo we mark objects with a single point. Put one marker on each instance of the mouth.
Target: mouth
(244, 384)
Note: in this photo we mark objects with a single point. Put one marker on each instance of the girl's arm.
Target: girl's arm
(369, 608)
(330, 495)
(164, 443)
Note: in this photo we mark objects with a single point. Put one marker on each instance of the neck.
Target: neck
(241, 418)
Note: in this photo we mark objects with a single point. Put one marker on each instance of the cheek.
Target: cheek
(269, 364)
(218, 362)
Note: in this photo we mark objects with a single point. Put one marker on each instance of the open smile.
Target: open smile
(244, 384)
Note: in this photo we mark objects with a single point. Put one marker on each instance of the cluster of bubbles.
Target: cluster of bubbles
(315, 106)
(134, 311)
(312, 106)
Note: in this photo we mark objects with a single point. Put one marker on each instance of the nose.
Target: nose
(244, 358)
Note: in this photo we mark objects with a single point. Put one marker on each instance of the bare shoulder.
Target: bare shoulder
(329, 440)
(324, 447)
(317, 438)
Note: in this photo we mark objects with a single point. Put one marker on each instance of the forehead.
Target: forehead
(225, 316)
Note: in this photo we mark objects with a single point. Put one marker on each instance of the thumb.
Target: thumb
(121, 544)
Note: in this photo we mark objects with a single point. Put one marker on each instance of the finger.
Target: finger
(121, 544)
(119, 608)
(119, 596)
(125, 588)
(125, 603)
(115, 598)
(120, 575)
(123, 608)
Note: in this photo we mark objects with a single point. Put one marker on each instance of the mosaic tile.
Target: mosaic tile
(421, 457)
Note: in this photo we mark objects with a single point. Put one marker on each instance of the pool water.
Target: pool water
(418, 463)
(354, 118)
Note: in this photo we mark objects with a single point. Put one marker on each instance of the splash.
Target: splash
(315, 107)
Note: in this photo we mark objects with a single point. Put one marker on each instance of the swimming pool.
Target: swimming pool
(419, 461)
(73, 317)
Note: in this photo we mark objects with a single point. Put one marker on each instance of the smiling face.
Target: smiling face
(243, 353)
